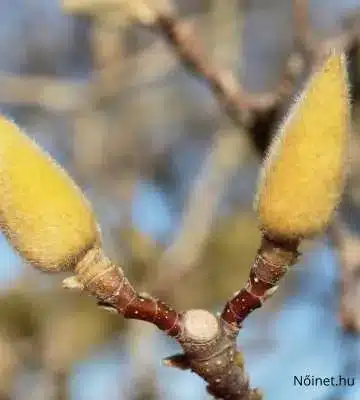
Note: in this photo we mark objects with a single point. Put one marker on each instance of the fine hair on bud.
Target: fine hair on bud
(43, 214)
(303, 175)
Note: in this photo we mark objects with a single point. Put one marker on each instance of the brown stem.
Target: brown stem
(236, 103)
(270, 265)
(209, 345)
(109, 284)
(210, 351)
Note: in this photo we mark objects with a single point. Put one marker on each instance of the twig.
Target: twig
(237, 104)
(113, 289)
(209, 344)
(270, 265)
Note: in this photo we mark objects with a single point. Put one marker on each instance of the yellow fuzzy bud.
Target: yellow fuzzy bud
(43, 213)
(303, 175)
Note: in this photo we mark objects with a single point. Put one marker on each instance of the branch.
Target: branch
(209, 344)
(270, 265)
(237, 104)
(108, 283)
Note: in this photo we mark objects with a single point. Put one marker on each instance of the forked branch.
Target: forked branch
(208, 341)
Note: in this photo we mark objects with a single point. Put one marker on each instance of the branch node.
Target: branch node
(73, 283)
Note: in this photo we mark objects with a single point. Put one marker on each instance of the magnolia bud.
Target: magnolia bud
(43, 213)
(303, 175)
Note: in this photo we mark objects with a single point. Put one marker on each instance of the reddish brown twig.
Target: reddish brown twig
(270, 265)
(108, 283)
(209, 344)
